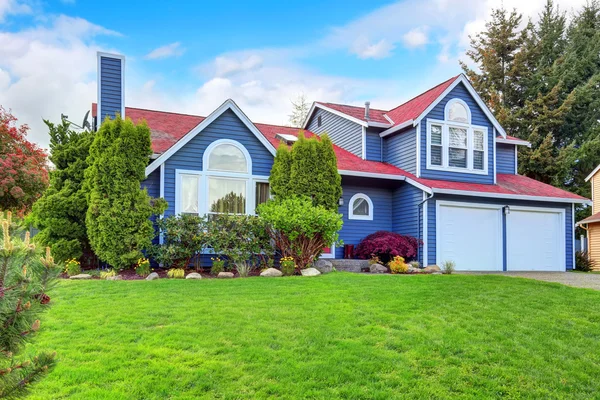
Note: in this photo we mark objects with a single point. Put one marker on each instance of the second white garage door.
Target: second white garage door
(470, 235)
(535, 239)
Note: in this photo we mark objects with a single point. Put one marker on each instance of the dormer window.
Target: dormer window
(454, 144)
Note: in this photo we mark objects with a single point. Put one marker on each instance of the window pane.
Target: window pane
(478, 160)
(226, 195)
(436, 134)
(262, 192)
(478, 140)
(189, 194)
(458, 113)
(457, 158)
(227, 157)
(436, 155)
(458, 137)
(360, 207)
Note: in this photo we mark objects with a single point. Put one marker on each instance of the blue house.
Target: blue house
(438, 167)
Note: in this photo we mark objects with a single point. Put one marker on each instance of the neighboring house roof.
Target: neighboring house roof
(513, 140)
(375, 115)
(592, 173)
(590, 219)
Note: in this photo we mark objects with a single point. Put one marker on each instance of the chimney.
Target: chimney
(111, 85)
(367, 105)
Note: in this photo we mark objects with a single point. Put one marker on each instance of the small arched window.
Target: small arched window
(360, 207)
(227, 157)
(458, 111)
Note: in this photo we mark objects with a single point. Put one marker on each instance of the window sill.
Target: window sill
(459, 170)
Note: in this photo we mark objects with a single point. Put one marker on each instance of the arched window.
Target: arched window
(227, 157)
(360, 207)
(458, 111)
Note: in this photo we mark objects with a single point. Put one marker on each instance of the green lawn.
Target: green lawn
(339, 335)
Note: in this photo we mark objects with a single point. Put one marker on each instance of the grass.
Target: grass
(335, 336)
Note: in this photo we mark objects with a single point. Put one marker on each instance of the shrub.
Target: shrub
(217, 266)
(415, 264)
(299, 229)
(448, 267)
(108, 274)
(183, 237)
(240, 238)
(176, 273)
(583, 262)
(26, 275)
(398, 266)
(143, 267)
(72, 267)
(288, 266)
(374, 260)
(386, 245)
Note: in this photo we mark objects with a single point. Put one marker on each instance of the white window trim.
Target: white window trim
(461, 102)
(236, 144)
(351, 208)
(446, 144)
(178, 174)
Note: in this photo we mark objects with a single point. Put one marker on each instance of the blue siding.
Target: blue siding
(342, 132)
(353, 231)
(477, 118)
(226, 126)
(431, 222)
(111, 96)
(374, 145)
(405, 217)
(400, 150)
(505, 158)
(152, 183)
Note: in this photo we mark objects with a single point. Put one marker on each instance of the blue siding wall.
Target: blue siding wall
(431, 222)
(342, 132)
(400, 149)
(152, 183)
(505, 158)
(111, 96)
(477, 118)
(405, 217)
(226, 126)
(374, 145)
(353, 231)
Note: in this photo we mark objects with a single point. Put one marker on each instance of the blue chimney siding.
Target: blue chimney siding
(505, 158)
(374, 145)
(111, 99)
(400, 150)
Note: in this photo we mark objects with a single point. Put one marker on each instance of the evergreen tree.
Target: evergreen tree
(60, 213)
(279, 179)
(300, 108)
(118, 216)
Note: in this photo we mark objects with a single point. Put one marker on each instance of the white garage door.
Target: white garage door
(470, 235)
(535, 240)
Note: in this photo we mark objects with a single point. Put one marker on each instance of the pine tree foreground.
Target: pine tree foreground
(25, 277)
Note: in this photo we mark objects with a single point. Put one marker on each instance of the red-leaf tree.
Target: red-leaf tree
(23, 166)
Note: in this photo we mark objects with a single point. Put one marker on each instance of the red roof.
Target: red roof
(590, 219)
(375, 115)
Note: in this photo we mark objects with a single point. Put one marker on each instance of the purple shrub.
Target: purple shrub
(386, 245)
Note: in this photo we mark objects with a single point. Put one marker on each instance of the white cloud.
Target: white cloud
(364, 49)
(415, 38)
(8, 7)
(227, 65)
(169, 50)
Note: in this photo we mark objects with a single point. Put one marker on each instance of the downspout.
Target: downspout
(420, 207)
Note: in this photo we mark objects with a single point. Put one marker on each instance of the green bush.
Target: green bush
(583, 261)
(72, 267)
(176, 273)
(183, 237)
(448, 267)
(218, 265)
(288, 266)
(108, 274)
(299, 229)
(143, 267)
(242, 239)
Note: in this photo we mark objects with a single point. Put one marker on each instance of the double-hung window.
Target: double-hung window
(454, 143)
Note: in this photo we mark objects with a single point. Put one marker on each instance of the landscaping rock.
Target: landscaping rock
(323, 266)
(413, 270)
(152, 276)
(226, 275)
(81, 276)
(377, 269)
(114, 278)
(193, 275)
(271, 272)
(310, 272)
(432, 268)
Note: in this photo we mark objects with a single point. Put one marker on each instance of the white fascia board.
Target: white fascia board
(389, 119)
(509, 196)
(308, 115)
(378, 124)
(396, 128)
(592, 173)
(386, 176)
(475, 96)
(516, 142)
(227, 105)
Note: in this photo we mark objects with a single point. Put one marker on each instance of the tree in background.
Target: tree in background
(309, 169)
(60, 213)
(300, 108)
(23, 169)
(118, 215)
(25, 277)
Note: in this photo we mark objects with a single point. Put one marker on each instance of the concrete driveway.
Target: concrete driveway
(575, 279)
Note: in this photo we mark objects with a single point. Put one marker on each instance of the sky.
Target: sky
(189, 58)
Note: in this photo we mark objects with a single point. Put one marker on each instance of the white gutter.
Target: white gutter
(516, 142)
(386, 176)
(511, 196)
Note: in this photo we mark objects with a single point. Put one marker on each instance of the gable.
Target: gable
(342, 132)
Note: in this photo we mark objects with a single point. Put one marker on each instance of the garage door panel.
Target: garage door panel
(471, 236)
(535, 240)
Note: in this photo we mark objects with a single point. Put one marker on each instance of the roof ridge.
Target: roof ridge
(349, 105)
(427, 91)
(164, 112)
